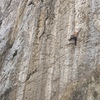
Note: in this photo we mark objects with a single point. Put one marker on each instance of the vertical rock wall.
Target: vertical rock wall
(37, 62)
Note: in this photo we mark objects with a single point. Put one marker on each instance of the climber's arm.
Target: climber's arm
(76, 33)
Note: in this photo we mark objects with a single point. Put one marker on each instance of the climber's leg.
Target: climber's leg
(72, 37)
(75, 38)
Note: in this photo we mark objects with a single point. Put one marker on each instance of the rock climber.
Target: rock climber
(74, 37)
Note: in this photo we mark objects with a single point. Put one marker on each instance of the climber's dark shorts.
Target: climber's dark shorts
(73, 38)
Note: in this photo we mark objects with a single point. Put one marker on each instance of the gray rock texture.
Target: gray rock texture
(37, 61)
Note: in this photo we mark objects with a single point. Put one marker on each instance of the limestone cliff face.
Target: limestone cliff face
(37, 62)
